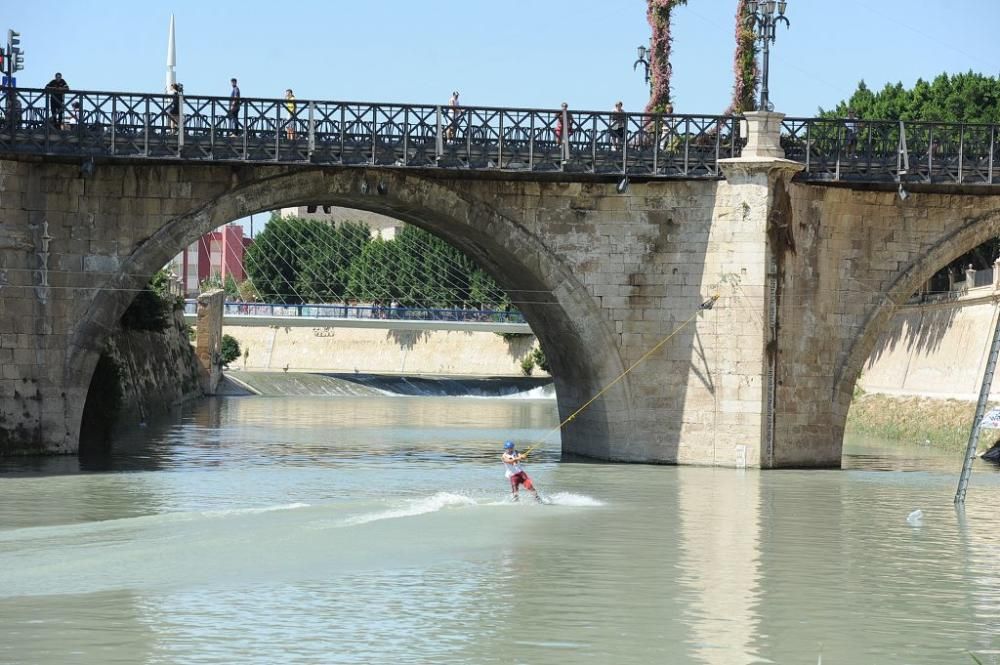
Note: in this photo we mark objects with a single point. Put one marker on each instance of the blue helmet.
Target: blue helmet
(508, 445)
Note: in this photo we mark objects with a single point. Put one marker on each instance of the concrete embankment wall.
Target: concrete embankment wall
(935, 350)
(922, 381)
(449, 352)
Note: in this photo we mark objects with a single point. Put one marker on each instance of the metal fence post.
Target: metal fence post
(500, 142)
(961, 151)
(180, 124)
(211, 129)
(406, 135)
(439, 141)
(625, 150)
(114, 124)
(993, 135)
(245, 132)
(687, 145)
(531, 142)
(312, 129)
(277, 131)
(656, 141)
(565, 138)
(374, 134)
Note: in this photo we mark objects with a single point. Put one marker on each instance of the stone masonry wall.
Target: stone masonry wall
(159, 371)
(855, 258)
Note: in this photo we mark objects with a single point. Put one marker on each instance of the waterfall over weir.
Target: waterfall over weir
(282, 384)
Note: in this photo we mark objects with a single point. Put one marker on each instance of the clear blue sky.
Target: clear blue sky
(515, 53)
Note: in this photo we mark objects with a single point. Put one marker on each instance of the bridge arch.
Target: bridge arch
(475, 217)
(859, 255)
(955, 241)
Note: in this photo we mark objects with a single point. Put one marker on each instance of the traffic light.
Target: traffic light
(15, 57)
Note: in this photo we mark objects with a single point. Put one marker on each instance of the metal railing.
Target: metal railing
(196, 128)
(892, 151)
(370, 312)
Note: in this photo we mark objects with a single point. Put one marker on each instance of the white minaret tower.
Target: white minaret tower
(171, 56)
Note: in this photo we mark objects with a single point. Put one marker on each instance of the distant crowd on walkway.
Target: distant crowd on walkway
(562, 125)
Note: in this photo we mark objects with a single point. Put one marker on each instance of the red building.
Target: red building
(217, 254)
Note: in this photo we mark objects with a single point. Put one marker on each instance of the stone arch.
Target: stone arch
(567, 320)
(960, 239)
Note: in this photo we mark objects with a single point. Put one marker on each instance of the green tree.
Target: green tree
(229, 350)
(296, 260)
(967, 98)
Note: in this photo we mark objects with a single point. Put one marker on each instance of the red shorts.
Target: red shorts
(521, 478)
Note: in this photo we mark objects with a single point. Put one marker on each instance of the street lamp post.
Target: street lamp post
(764, 21)
(643, 60)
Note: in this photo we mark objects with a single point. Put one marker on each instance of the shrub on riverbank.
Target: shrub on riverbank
(943, 422)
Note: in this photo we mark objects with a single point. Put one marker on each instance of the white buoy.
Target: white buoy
(916, 518)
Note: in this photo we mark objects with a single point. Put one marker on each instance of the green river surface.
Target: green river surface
(377, 530)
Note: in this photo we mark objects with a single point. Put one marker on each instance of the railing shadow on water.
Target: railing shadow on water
(200, 128)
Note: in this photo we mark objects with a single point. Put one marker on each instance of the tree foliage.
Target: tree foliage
(230, 349)
(968, 97)
(296, 261)
(150, 309)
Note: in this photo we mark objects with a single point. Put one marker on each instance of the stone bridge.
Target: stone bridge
(808, 275)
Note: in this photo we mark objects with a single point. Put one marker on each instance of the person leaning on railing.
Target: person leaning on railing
(618, 121)
(174, 110)
(57, 88)
(290, 106)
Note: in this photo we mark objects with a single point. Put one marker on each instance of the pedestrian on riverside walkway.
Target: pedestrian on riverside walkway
(290, 106)
(234, 109)
(57, 88)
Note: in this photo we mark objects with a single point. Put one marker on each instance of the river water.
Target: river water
(376, 530)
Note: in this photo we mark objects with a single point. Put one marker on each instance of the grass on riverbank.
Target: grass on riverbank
(944, 423)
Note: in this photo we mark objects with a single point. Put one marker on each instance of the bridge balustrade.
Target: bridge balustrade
(892, 151)
(134, 125)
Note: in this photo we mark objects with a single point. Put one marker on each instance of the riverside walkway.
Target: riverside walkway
(365, 316)
(142, 126)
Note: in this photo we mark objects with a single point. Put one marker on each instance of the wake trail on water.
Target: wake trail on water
(156, 519)
(450, 500)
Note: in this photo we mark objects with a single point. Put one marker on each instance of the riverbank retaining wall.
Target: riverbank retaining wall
(448, 352)
(935, 350)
